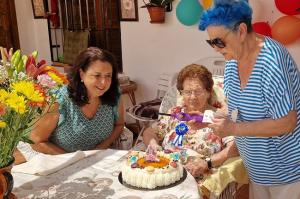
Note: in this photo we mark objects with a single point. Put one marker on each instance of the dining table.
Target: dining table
(91, 174)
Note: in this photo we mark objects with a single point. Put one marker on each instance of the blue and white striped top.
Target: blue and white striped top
(273, 89)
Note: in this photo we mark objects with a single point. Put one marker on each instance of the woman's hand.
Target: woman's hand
(222, 127)
(196, 125)
(154, 146)
(196, 167)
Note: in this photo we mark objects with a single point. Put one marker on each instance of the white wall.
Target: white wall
(150, 49)
(33, 33)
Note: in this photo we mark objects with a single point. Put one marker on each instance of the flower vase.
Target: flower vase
(6, 182)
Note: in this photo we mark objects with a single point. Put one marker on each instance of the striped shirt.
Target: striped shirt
(273, 89)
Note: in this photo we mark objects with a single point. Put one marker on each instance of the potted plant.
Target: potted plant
(27, 89)
(156, 9)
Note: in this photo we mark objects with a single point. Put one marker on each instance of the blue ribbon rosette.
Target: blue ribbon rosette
(181, 129)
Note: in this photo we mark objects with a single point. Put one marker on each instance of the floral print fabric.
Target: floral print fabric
(202, 141)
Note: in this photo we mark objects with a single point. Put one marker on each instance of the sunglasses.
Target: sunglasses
(220, 43)
(216, 42)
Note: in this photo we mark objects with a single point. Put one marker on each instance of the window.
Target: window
(98, 18)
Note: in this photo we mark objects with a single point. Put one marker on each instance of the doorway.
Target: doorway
(9, 37)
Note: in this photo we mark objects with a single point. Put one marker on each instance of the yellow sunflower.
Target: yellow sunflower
(27, 88)
(2, 124)
(16, 102)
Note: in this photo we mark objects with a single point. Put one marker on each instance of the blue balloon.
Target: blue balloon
(188, 12)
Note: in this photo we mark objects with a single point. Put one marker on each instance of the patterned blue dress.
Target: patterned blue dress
(76, 132)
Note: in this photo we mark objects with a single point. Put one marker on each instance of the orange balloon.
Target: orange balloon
(286, 29)
(207, 4)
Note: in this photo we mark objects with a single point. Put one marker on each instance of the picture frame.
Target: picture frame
(129, 10)
(39, 8)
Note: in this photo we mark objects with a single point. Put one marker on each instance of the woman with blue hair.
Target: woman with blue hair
(262, 85)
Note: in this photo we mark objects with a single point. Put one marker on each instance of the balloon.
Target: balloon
(262, 28)
(188, 12)
(286, 29)
(207, 4)
(201, 2)
(288, 7)
(257, 10)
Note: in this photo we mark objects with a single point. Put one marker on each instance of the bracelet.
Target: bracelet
(209, 163)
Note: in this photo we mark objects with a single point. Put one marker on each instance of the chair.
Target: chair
(215, 65)
(147, 112)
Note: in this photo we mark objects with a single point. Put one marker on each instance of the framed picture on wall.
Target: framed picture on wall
(39, 9)
(129, 10)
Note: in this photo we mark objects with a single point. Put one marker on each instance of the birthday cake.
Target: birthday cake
(150, 171)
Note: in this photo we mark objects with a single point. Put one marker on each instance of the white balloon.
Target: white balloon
(257, 8)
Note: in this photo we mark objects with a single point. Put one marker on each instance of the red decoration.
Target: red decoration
(286, 29)
(288, 7)
(262, 28)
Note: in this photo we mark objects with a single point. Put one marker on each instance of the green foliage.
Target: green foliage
(156, 3)
(27, 90)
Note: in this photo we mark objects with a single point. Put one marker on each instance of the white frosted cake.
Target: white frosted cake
(138, 171)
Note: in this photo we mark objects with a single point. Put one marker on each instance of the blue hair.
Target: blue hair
(227, 13)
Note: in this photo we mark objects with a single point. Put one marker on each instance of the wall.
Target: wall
(148, 49)
(151, 49)
(33, 33)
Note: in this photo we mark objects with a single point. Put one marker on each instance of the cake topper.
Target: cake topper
(151, 154)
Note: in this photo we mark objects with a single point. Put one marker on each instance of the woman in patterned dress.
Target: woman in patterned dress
(195, 85)
(89, 112)
(262, 86)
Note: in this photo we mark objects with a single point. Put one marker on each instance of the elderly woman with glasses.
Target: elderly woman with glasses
(262, 85)
(195, 85)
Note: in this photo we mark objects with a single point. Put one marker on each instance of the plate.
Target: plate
(156, 188)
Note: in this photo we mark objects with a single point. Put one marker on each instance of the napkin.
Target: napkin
(44, 164)
(232, 170)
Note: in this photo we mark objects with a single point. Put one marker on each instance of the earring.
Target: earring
(81, 80)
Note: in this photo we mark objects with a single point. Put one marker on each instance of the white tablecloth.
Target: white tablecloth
(95, 177)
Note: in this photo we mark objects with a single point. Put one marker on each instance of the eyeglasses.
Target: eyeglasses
(198, 92)
(218, 41)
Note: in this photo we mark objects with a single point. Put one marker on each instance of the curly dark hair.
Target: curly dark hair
(77, 90)
(198, 72)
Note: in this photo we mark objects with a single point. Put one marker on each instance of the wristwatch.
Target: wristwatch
(209, 164)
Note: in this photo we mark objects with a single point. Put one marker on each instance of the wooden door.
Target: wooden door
(9, 37)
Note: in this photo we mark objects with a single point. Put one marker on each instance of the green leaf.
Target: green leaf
(27, 140)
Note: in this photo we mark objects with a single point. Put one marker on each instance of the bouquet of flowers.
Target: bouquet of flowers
(27, 90)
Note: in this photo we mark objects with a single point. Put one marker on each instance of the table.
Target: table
(66, 67)
(94, 177)
(129, 89)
